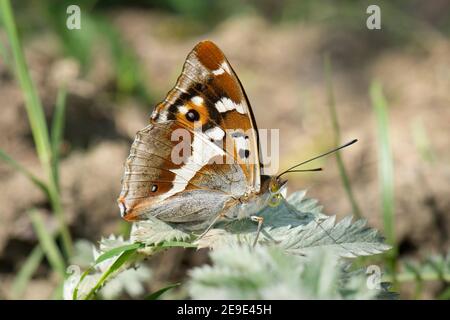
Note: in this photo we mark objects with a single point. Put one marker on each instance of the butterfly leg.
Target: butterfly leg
(260, 221)
(219, 216)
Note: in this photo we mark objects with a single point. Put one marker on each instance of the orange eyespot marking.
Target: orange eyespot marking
(193, 112)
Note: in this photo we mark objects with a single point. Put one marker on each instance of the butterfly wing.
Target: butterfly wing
(210, 89)
(208, 105)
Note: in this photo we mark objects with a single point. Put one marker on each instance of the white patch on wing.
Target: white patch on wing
(197, 100)
(215, 133)
(202, 152)
(223, 68)
(226, 67)
(218, 71)
(122, 208)
(183, 109)
(226, 104)
(162, 117)
(241, 144)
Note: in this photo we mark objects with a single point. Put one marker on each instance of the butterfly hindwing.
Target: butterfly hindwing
(189, 189)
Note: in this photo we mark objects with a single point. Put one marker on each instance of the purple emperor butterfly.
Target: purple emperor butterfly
(205, 186)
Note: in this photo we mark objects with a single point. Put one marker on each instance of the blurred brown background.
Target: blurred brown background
(127, 55)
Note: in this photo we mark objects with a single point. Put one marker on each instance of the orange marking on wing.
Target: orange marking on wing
(202, 111)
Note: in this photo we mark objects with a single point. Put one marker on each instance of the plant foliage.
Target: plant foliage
(299, 255)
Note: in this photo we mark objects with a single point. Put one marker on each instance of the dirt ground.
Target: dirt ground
(281, 67)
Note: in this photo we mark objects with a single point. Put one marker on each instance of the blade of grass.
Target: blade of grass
(385, 161)
(32, 102)
(155, 295)
(385, 168)
(36, 118)
(83, 276)
(17, 166)
(26, 272)
(122, 259)
(57, 132)
(48, 244)
(337, 139)
(116, 251)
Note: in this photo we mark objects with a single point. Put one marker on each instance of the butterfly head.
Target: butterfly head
(276, 189)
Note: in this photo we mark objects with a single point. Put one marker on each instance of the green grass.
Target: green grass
(47, 150)
(37, 121)
(155, 295)
(57, 132)
(385, 171)
(48, 244)
(337, 139)
(26, 272)
(47, 142)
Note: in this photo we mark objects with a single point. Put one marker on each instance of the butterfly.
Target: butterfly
(208, 105)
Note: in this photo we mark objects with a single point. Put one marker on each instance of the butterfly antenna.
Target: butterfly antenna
(306, 170)
(317, 157)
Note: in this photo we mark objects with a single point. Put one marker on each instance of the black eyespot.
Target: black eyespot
(192, 115)
(244, 153)
(154, 188)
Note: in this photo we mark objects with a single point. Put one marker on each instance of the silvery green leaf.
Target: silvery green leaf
(130, 281)
(154, 231)
(283, 216)
(345, 238)
(83, 255)
(240, 272)
(112, 242)
(83, 288)
(105, 245)
(298, 227)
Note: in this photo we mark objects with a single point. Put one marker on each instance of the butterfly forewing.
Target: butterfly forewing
(209, 93)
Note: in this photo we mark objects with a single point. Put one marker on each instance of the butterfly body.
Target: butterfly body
(218, 173)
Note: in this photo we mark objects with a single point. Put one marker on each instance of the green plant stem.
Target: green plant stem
(337, 139)
(37, 120)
